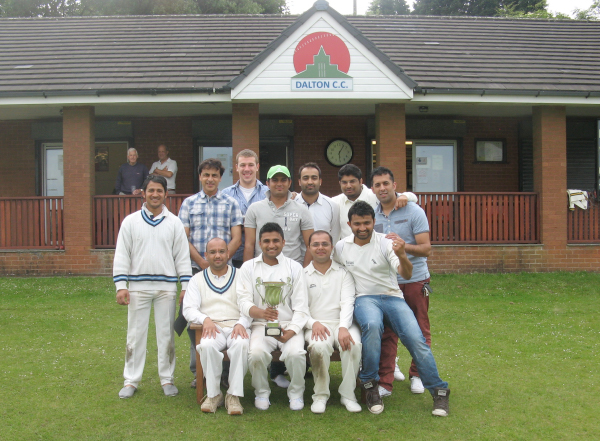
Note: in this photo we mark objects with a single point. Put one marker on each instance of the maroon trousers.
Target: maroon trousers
(419, 304)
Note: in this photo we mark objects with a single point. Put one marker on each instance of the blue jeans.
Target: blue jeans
(371, 312)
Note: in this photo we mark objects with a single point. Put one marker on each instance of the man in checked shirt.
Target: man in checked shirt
(205, 215)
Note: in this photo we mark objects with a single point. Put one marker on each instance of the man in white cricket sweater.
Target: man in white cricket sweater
(273, 266)
(211, 301)
(152, 254)
(331, 295)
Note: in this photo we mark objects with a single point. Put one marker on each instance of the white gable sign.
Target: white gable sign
(320, 60)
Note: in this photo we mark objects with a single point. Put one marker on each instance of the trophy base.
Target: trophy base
(273, 330)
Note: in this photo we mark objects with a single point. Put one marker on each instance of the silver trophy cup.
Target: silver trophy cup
(273, 296)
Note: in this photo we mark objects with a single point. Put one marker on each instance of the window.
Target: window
(490, 150)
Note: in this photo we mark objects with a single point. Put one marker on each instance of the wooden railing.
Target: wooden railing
(454, 218)
(481, 218)
(31, 223)
(109, 212)
(583, 226)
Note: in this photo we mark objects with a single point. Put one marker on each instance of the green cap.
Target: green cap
(278, 169)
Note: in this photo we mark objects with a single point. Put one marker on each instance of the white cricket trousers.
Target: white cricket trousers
(292, 353)
(138, 316)
(211, 358)
(320, 358)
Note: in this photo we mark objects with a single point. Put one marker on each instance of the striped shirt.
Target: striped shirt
(208, 217)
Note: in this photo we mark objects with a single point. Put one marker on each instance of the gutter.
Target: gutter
(105, 92)
(426, 91)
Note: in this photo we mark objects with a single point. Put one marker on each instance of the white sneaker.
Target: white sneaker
(351, 406)
(318, 406)
(398, 375)
(281, 381)
(383, 392)
(297, 404)
(416, 385)
(262, 403)
(127, 392)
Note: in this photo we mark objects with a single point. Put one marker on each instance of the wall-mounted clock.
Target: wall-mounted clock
(339, 152)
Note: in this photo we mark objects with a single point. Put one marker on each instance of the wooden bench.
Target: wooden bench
(201, 385)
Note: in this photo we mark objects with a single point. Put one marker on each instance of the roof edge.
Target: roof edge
(104, 92)
(531, 92)
(322, 5)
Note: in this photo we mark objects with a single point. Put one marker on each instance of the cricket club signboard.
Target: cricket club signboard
(322, 62)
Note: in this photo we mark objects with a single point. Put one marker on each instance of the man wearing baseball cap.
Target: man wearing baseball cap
(295, 221)
(278, 206)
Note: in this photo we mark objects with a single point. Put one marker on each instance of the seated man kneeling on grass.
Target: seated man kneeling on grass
(211, 300)
(273, 266)
(374, 262)
(331, 295)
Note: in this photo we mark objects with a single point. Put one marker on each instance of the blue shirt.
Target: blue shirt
(406, 222)
(208, 217)
(130, 176)
(258, 194)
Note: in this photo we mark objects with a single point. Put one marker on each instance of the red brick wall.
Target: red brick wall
(491, 177)
(526, 258)
(79, 178)
(18, 165)
(444, 259)
(176, 134)
(51, 263)
(311, 135)
(550, 172)
(390, 127)
(245, 130)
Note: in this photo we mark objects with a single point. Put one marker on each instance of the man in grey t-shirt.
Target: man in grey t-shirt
(410, 224)
(278, 206)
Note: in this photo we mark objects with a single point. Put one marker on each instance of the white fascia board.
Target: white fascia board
(92, 100)
(405, 94)
(506, 99)
(331, 96)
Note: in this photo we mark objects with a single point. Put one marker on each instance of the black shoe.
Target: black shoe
(374, 402)
(441, 404)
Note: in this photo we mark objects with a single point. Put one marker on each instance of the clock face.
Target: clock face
(339, 152)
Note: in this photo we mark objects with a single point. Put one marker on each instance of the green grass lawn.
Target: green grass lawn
(520, 351)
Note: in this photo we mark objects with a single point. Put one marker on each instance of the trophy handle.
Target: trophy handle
(257, 285)
(288, 285)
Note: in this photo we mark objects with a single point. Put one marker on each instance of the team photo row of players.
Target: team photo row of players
(265, 269)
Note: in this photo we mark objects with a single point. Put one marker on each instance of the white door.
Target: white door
(53, 176)
(225, 155)
(434, 166)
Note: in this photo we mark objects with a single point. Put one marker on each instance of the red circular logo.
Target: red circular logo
(332, 45)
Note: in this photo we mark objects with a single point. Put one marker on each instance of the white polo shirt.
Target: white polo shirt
(325, 215)
(374, 266)
(330, 295)
(344, 205)
(366, 195)
(171, 166)
(293, 313)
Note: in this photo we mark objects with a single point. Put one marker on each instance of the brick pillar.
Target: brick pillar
(79, 176)
(390, 132)
(550, 172)
(245, 130)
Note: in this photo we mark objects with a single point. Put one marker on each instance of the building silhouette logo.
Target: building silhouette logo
(322, 62)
